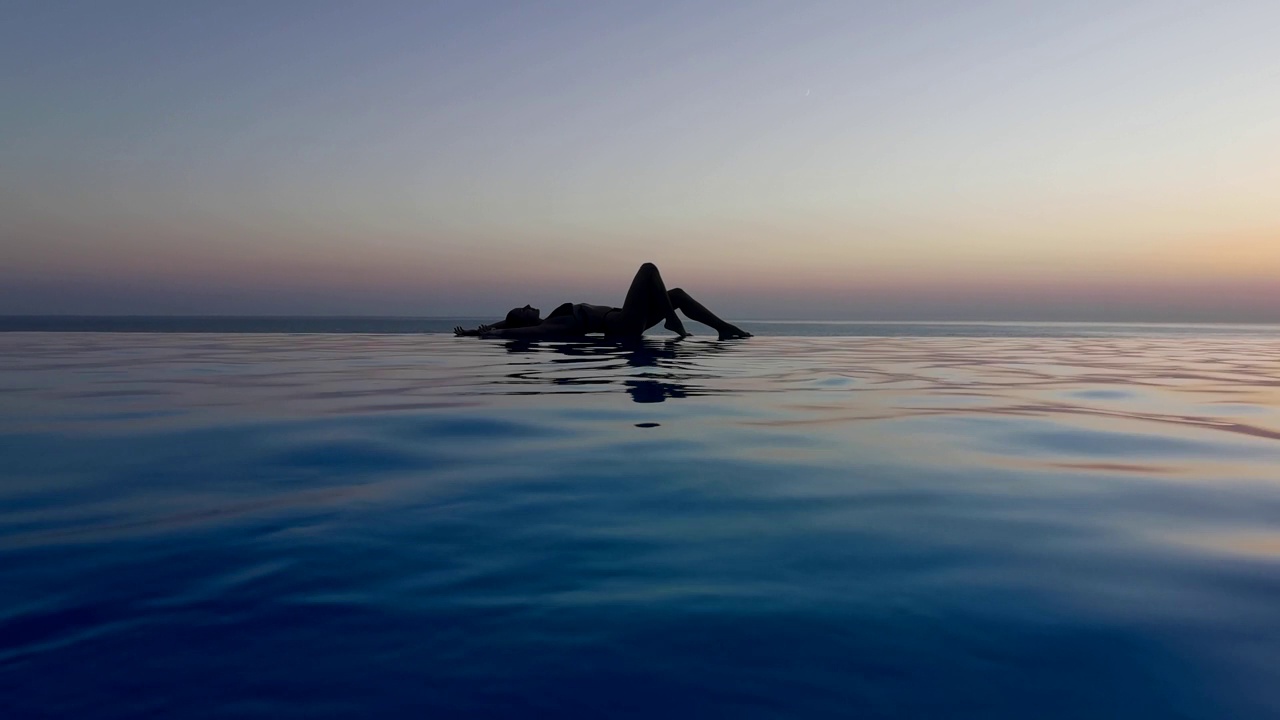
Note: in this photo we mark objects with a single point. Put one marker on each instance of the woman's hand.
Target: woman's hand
(463, 332)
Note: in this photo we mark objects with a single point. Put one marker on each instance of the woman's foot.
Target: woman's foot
(734, 332)
(677, 327)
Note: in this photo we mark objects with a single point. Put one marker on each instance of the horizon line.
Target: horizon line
(795, 321)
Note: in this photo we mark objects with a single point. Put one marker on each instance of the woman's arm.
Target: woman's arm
(463, 332)
(561, 327)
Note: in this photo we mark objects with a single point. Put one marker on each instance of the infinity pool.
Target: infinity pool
(271, 525)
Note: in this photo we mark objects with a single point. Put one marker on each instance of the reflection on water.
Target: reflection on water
(669, 367)
(329, 525)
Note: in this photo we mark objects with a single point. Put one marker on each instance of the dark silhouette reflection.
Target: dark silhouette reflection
(671, 366)
(654, 391)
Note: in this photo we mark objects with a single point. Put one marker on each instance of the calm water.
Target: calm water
(263, 525)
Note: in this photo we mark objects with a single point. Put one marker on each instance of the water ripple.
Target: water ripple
(401, 525)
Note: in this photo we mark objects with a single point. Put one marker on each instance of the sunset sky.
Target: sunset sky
(891, 160)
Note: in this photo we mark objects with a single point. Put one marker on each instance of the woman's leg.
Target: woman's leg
(698, 312)
(647, 302)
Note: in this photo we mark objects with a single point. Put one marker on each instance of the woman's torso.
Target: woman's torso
(585, 317)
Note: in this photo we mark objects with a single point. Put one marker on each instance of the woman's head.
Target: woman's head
(526, 316)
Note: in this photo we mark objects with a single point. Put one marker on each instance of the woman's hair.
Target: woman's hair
(521, 317)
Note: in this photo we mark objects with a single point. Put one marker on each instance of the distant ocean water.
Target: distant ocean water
(824, 521)
(803, 328)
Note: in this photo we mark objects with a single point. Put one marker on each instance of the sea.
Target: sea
(372, 518)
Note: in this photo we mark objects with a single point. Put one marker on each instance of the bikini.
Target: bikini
(582, 314)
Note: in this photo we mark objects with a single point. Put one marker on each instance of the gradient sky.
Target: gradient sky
(891, 160)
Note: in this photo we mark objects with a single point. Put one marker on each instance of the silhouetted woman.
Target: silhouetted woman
(648, 302)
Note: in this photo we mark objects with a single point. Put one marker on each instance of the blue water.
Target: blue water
(399, 525)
